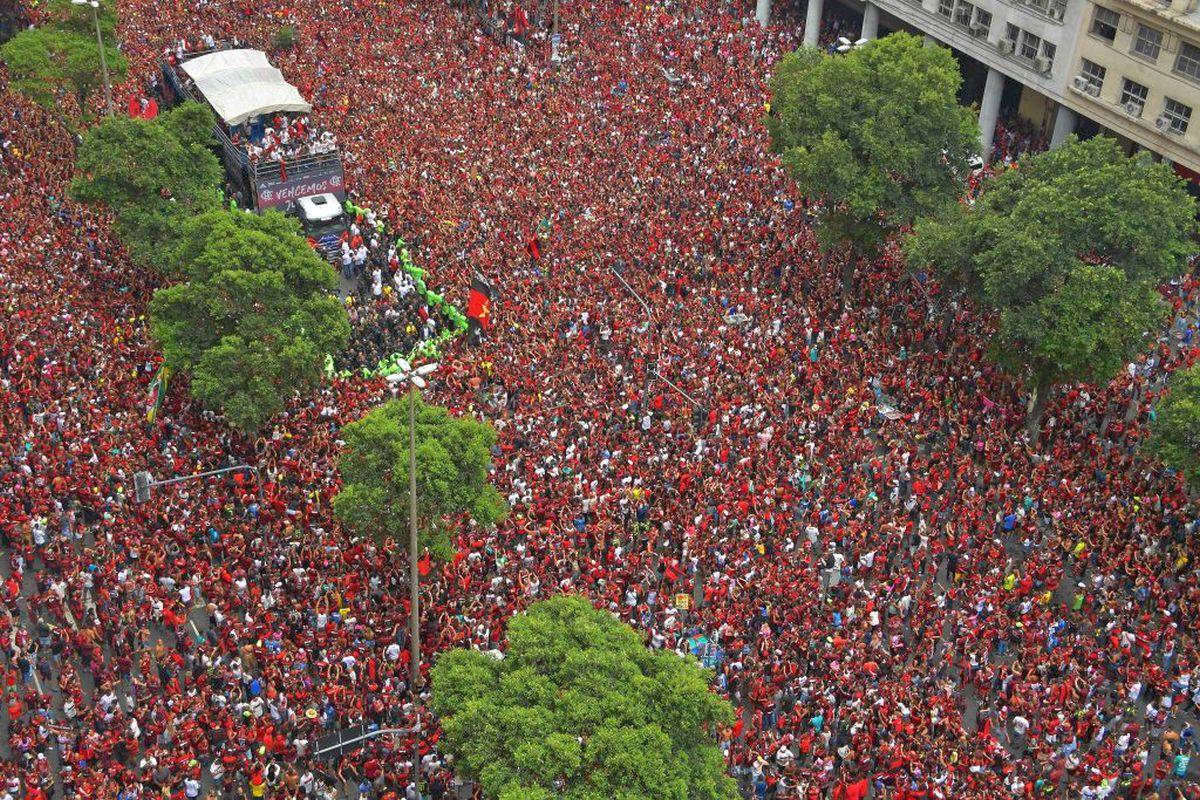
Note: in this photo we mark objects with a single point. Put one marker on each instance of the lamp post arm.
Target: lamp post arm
(208, 474)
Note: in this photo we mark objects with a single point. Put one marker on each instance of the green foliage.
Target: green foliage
(220, 241)
(126, 161)
(1084, 331)
(876, 134)
(249, 381)
(63, 56)
(66, 15)
(32, 69)
(1175, 431)
(453, 456)
(255, 316)
(284, 38)
(1066, 249)
(580, 709)
(148, 230)
(154, 175)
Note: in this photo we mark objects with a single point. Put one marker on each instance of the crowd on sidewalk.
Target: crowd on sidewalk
(919, 604)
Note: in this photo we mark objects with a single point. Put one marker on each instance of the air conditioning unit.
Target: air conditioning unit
(1056, 12)
(1093, 90)
(1006, 46)
(1042, 65)
(1080, 84)
(976, 28)
(1133, 109)
(1164, 125)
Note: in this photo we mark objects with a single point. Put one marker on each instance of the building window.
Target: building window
(1094, 73)
(1012, 33)
(1049, 7)
(963, 13)
(1176, 115)
(1030, 45)
(1048, 51)
(1104, 24)
(983, 22)
(946, 7)
(1133, 93)
(1188, 61)
(1148, 42)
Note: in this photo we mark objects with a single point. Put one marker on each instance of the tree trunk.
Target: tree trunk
(848, 271)
(1042, 390)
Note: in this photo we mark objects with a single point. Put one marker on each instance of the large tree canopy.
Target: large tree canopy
(876, 135)
(580, 709)
(1175, 430)
(256, 316)
(1066, 249)
(63, 55)
(453, 457)
(153, 175)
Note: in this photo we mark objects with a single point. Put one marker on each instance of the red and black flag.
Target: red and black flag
(479, 307)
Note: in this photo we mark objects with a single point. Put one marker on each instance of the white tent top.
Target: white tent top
(240, 84)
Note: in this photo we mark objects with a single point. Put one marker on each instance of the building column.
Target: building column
(1064, 125)
(870, 28)
(762, 12)
(989, 110)
(812, 22)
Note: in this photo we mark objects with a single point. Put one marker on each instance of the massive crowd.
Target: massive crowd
(388, 315)
(922, 604)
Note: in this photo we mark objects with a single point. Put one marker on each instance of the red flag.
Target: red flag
(135, 107)
(282, 170)
(479, 303)
(534, 248)
(151, 109)
(424, 565)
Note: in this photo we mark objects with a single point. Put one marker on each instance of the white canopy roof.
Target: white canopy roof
(240, 84)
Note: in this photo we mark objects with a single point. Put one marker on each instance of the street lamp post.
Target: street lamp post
(698, 576)
(95, 6)
(143, 481)
(414, 378)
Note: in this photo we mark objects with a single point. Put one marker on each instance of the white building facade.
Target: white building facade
(1128, 68)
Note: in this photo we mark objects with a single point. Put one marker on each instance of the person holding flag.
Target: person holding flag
(479, 308)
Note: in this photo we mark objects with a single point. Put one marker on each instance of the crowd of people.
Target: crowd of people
(279, 137)
(284, 138)
(388, 313)
(922, 603)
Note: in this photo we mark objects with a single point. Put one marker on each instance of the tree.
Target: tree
(284, 37)
(153, 175)
(250, 380)
(1175, 429)
(255, 318)
(579, 708)
(453, 457)
(1066, 249)
(62, 56)
(32, 69)
(127, 162)
(876, 135)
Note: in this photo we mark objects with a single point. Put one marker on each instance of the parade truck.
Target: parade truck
(249, 98)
